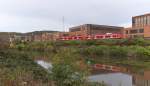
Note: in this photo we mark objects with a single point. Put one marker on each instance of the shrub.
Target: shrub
(117, 52)
(16, 64)
(68, 69)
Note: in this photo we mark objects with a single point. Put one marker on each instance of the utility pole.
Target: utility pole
(63, 23)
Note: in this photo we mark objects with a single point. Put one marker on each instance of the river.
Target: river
(114, 78)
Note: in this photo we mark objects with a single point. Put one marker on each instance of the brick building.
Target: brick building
(21, 37)
(57, 35)
(43, 37)
(47, 36)
(140, 27)
(92, 29)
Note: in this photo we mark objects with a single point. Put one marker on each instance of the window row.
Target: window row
(135, 36)
(134, 31)
(141, 21)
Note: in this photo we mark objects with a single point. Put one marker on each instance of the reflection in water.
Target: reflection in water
(44, 64)
(142, 79)
(121, 79)
(113, 79)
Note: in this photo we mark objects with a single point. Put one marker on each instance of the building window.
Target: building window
(141, 30)
(148, 20)
(139, 21)
(133, 31)
(133, 22)
(127, 32)
(145, 20)
(136, 22)
(142, 21)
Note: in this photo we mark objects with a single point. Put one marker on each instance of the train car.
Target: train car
(93, 37)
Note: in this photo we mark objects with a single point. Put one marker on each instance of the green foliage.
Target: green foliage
(70, 59)
(112, 54)
(140, 53)
(16, 64)
(117, 52)
(136, 41)
(94, 51)
(20, 46)
(73, 42)
(68, 69)
(65, 75)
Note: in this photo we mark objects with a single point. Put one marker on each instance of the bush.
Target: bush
(17, 66)
(117, 52)
(68, 69)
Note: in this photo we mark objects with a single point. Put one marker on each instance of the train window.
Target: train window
(75, 37)
(114, 35)
(69, 38)
(79, 37)
(107, 36)
(99, 36)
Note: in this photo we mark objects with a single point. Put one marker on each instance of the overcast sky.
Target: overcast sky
(31, 15)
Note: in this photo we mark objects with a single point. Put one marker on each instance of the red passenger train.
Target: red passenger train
(93, 37)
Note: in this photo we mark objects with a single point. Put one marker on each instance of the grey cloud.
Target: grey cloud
(41, 14)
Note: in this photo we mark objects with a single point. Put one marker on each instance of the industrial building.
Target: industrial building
(92, 29)
(140, 27)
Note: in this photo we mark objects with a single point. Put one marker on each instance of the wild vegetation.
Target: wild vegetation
(69, 69)
(18, 69)
(118, 51)
(71, 60)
